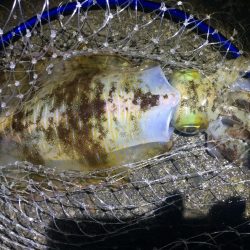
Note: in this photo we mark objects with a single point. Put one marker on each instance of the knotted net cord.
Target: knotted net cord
(42, 208)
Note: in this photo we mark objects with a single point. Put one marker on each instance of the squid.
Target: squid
(100, 111)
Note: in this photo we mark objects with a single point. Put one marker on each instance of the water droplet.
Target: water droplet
(33, 61)
(53, 34)
(28, 33)
(78, 5)
(105, 44)
(155, 40)
(17, 83)
(136, 28)
(20, 96)
(38, 17)
(163, 7)
(110, 16)
(80, 39)
(172, 51)
(12, 65)
(3, 105)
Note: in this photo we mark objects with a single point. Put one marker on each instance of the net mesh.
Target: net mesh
(182, 199)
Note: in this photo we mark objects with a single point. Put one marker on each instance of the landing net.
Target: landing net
(185, 198)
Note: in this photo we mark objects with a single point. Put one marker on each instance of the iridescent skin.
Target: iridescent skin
(102, 111)
(92, 112)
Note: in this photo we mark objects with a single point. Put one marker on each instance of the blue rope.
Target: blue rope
(224, 45)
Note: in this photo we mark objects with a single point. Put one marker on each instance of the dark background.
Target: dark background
(229, 15)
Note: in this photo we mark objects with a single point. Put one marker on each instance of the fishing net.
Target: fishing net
(182, 199)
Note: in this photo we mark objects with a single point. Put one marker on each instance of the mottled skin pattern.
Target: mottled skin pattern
(75, 119)
(87, 114)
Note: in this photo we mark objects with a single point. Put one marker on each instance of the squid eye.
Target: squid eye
(197, 95)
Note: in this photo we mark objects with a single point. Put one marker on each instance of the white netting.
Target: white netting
(185, 198)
